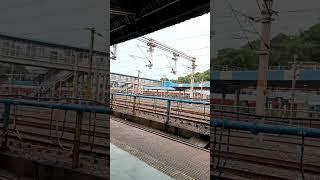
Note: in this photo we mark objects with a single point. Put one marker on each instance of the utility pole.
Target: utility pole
(201, 88)
(293, 84)
(193, 68)
(264, 57)
(263, 62)
(89, 80)
(75, 78)
(11, 78)
(114, 53)
(138, 86)
(174, 68)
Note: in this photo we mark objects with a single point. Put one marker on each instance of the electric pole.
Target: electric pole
(264, 57)
(11, 78)
(263, 62)
(174, 68)
(114, 53)
(202, 84)
(293, 85)
(89, 80)
(75, 78)
(193, 68)
(138, 86)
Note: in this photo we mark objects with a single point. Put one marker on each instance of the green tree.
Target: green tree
(305, 44)
(164, 79)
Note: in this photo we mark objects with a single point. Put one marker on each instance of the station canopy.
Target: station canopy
(131, 19)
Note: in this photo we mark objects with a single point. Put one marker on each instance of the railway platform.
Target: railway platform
(173, 158)
(133, 168)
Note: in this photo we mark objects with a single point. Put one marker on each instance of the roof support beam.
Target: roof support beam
(121, 12)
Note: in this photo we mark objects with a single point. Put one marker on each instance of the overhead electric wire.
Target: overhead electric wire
(239, 23)
(258, 4)
(20, 5)
(188, 37)
(50, 32)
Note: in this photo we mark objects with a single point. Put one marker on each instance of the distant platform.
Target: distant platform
(184, 86)
(125, 166)
(231, 80)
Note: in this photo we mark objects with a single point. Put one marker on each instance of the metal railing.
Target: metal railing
(66, 62)
(302, 66)
(257, 137)
(272, 112)
(227, 68)
(255, 128)
(36, 109)
(197, 111)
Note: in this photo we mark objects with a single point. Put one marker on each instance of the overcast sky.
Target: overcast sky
(56, 21)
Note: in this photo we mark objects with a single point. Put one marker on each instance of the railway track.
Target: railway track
(37, 127)
(44, 124)
(162, 134)
(244, 156)
(160, 110)
(272, 162)
(244, 135)
(233, 174)
(261, 167)
(277, 157)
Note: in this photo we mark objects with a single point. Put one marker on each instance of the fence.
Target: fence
(71, 127)
(187, 114)
(275, 116)
(248, 146)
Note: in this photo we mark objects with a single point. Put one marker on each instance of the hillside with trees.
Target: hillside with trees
(198, 77)
(305, 44)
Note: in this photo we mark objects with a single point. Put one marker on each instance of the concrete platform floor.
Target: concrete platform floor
(177, 160)
(124, 166)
